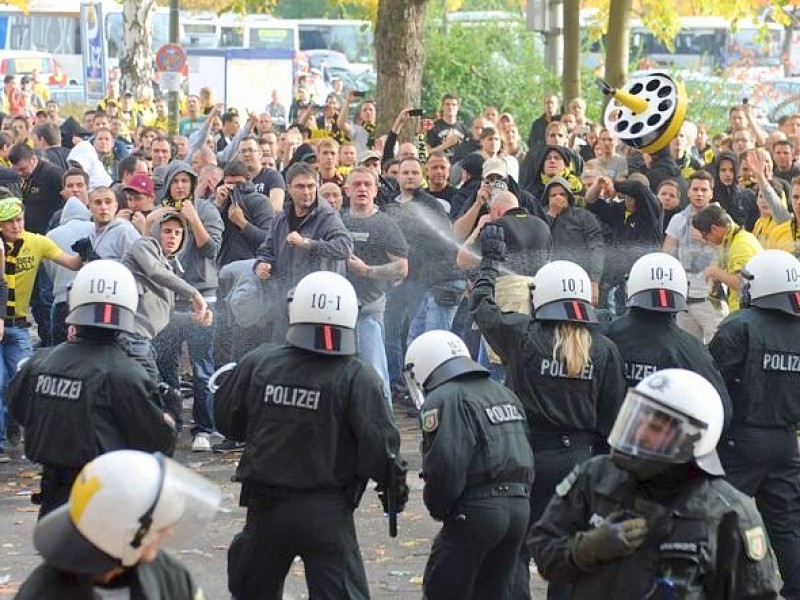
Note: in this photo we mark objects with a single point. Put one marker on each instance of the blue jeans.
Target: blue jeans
(369, 334)
(496, 372)
(15, 346)
(41, 304)
(430, 315)
(402, 303)
(200, 343)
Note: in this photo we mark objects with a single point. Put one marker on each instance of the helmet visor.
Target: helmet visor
(414, 388)
(651, 430)
(186, 505)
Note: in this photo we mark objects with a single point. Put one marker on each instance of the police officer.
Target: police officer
(105, 542)
(478, 469)
(568, 376)
(758, 352)
(87, 397)
(655, 519)
(647, 336)
(316, 427)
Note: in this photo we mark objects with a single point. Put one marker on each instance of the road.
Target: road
(394, 566)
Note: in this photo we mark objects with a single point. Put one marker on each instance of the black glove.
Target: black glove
(619, 535)
(171, 402)
(83, 248)
(400, 490)
(493, 242)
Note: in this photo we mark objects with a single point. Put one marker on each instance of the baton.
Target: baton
(391, 496)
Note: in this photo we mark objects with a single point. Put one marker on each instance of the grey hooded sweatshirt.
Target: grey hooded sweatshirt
(199, 264)
(75, 224)
(157, 282)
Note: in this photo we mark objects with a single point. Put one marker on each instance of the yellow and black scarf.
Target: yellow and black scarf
(12, 251)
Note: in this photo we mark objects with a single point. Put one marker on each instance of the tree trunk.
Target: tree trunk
(400, 58)
(136, 64)
(571, 78)
(786, 51)
(618, 42)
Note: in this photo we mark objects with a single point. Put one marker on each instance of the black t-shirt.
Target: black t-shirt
(268, 179)
(441, 130)
(374, 237)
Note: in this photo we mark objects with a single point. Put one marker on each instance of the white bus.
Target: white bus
(54, 26)
(703, 45)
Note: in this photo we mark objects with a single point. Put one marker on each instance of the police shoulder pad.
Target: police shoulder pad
(563, 488)
(429, 420)
(756, 545)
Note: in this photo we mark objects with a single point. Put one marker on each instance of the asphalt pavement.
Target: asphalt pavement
(394, 566)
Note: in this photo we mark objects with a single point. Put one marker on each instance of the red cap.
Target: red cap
(140, 183)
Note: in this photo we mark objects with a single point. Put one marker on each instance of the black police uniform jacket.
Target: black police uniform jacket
(693, 528)
(164, 578)
(473, 434)
(758, 354)
(553, 401)
(310, 421)
(650, 341)
(84, 398)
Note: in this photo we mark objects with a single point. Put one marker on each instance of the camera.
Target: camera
(415, 112)
(357, 94)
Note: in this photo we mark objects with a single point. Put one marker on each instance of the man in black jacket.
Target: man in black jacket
(41, 195)
(246, 213)
(576, 234)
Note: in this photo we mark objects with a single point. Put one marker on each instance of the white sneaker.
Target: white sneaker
(201, 443)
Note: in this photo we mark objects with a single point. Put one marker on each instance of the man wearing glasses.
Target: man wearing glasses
(736, 247)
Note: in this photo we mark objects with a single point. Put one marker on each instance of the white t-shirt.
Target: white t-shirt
(694, 256)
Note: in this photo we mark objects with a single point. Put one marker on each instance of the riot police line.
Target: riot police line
(605, 489)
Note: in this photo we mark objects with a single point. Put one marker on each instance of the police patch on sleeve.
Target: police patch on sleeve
(430, 420)
(756, 543)
(563, 488)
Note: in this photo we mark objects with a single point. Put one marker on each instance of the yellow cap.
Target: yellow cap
(10, 208)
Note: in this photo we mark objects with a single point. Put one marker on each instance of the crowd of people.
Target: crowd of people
(537, 303)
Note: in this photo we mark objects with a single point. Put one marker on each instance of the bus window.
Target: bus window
(231, 37)
(200, 35)
(115, 32)
(272, 38)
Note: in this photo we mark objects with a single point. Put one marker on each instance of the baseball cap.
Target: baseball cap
(141, 183)
(10, 208)
(495, 166)
(368, 155)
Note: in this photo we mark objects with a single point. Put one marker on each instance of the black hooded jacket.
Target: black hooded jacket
(634, 234)
(574, 162)
(738, 202)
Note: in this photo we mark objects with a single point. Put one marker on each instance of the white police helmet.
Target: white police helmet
(104, 295)
(120, 503)
(672, 416)
(433, 358)
(562, 291)
(322, 314)
(657, 282)
(772, 280)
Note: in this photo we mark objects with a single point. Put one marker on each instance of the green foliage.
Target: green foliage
(492, 64)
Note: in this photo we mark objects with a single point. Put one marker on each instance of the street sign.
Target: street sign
(170, 58)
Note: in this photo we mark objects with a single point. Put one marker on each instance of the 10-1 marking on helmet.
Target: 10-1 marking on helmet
(101, 286)
(660, 274)
(323, 301)
(792, 276)
(572, 285)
